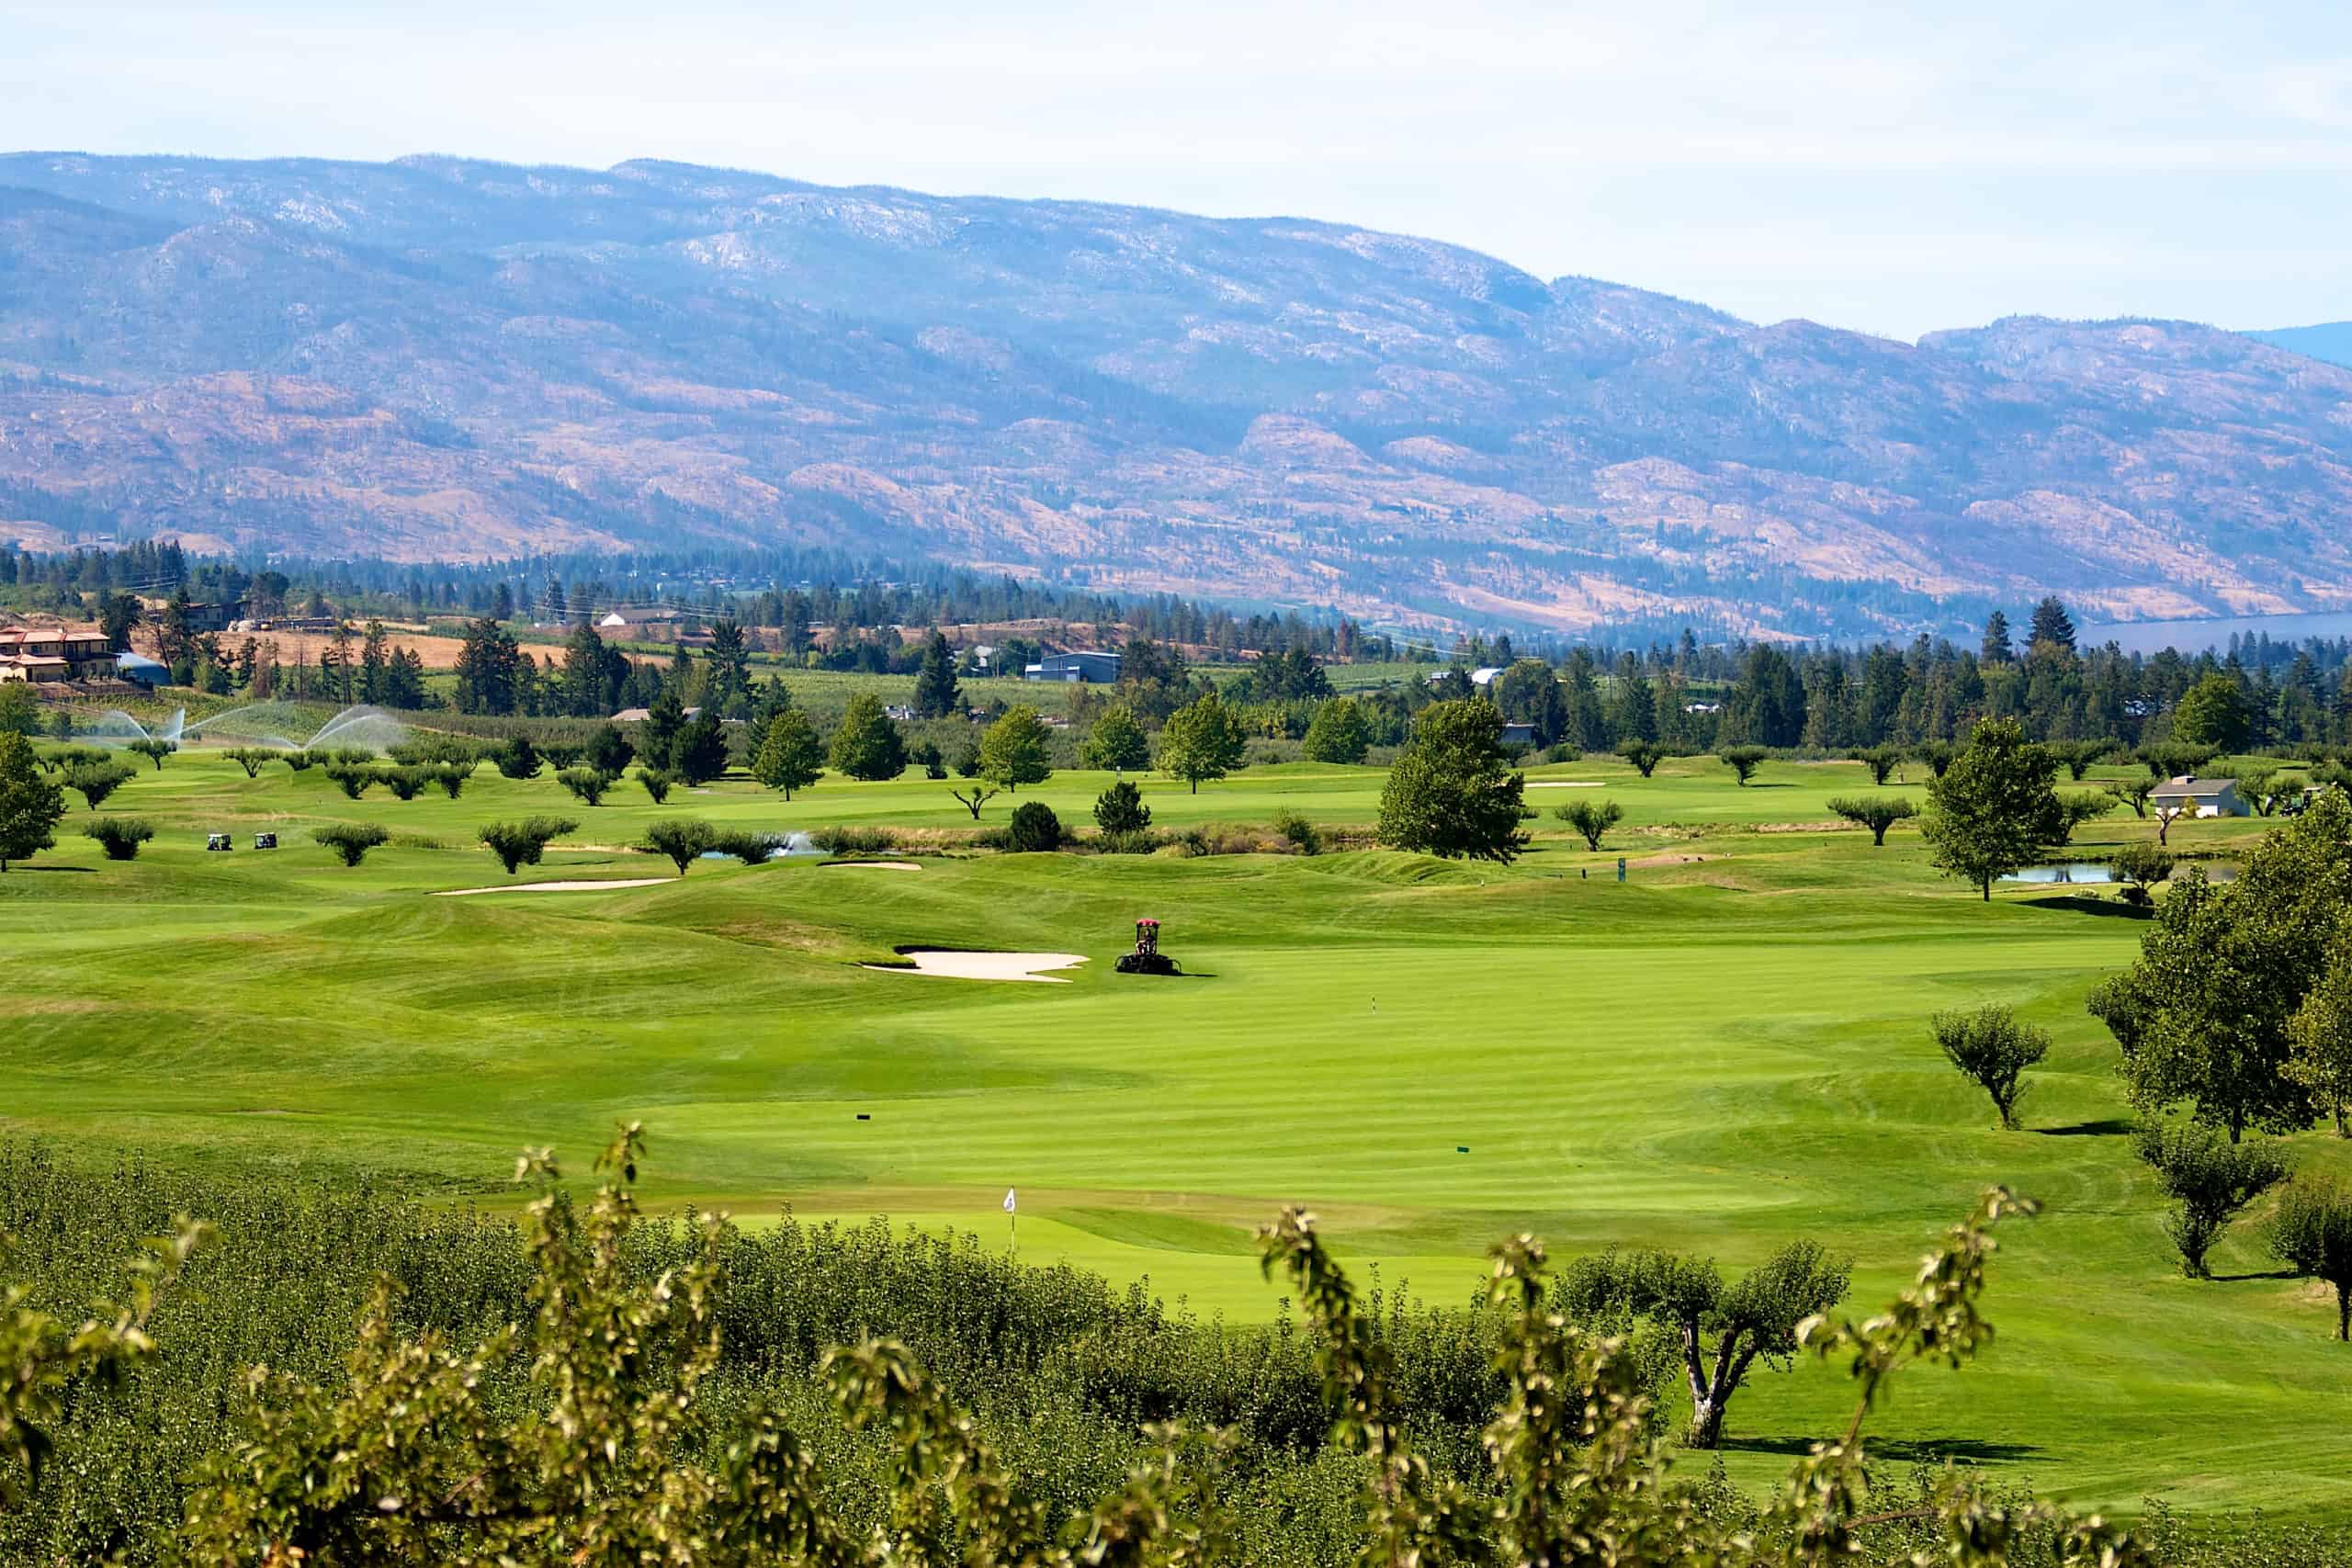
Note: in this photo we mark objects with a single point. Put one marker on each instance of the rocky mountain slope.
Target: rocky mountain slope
(436, 357)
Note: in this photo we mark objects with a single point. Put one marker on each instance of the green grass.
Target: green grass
(1727, 1051)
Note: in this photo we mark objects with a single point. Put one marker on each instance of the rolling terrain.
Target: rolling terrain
(1726, 1052)
(444, 358)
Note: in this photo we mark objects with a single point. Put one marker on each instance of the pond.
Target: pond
(2076, 872)
(2098, 874)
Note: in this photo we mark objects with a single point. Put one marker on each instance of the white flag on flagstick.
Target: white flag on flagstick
(1009, 1205)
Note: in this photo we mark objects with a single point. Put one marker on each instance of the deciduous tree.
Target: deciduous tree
(867, 745)
(30, 805)
(2312, 1233)
(1743, 759)
(1989, 811)
(1591, 818)
(2223, 970)
(1203, 741)
(789, 758)
(682, 839)
(1991, 1050)
(1117, 741)
(350, 841)
(1017, 749)
(1876, 812)
(522, 843)
(1337, 733)
(1450, 792)
(1723, 1329)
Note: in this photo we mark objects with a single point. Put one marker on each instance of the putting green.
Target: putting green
(1726, 1051)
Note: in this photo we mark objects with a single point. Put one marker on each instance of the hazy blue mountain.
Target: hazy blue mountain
(442, 358)
(2331, 341)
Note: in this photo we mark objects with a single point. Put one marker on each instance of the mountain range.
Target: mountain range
(444, 358)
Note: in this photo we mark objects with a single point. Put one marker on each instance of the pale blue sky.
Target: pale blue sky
(1888, 167)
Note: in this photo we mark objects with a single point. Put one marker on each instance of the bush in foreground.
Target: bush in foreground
(119, 837)
(600, 1427)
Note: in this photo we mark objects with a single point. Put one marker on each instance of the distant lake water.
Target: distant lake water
(2195, 637)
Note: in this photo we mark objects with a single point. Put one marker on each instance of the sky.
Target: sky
(1888, 167)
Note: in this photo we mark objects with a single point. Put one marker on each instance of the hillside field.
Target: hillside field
(1726, 1051)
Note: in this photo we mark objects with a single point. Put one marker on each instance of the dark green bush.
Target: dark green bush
(120, 836)
(1033, 829)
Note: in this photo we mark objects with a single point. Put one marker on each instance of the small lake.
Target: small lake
(2195, 637)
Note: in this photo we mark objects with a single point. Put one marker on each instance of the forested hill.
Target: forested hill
(439, 359)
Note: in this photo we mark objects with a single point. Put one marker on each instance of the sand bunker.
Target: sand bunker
(557, 886)
(1564, 784)
(871, 865)
(984, 965)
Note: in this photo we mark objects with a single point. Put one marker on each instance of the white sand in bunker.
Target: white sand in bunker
(871, 866)
(984, 965)
(557, 886)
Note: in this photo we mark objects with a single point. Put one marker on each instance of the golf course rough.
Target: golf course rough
(1726, 1051)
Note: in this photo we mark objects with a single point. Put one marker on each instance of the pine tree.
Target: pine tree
(2053, 630)
(936, 693)
(1997, 648)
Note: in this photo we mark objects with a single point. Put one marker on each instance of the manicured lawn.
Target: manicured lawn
(1726, 1051)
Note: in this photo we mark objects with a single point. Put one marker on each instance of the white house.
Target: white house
(2193, 796)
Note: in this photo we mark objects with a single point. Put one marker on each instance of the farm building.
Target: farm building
(2198, 798)
(1084, 669)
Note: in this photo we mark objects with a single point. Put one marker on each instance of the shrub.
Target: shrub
(352, 781)
(586, 783)
(1140, 841)
(452, 778)
(405, 783)
(2140, 865)
(1591, 817)
(860, 840)
(299, 761)
(744, 844)
(1991, 1050)
(154, 750)
(521, 844)
(682, 839)
(352, 840)
(657, 783)
(610, 751)
(1301, 834)
(1743, 761)
(253, 759)
(2312, 1233)
(120, 836)
(353, 755)
(70, 757)
(1645, 755)
(1876, 812)
(562, 754)
(1033, 829)
(518, 758)
(2209, 1178)
(1120, 809)
(95, 782)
